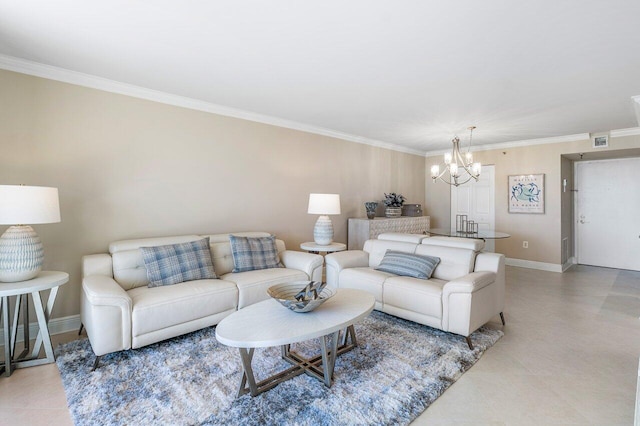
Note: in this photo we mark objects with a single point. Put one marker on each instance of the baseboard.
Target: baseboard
(572, 261)
(530, 264)
(56, 326)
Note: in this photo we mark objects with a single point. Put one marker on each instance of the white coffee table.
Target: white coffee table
(268, 323)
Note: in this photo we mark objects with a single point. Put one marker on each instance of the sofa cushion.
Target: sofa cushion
(254, 253)
(377, 249)
(416, 295)
(458, 242)
(253, 285)
(454, 262)
(176, 263)
(401, 236)
(221, 249)
(366, 279)
(128, 264)
(161, 307)
(408, 265)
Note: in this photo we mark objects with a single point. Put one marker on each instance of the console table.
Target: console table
(361, 230)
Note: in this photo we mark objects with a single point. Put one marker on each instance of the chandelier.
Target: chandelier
(461, 168)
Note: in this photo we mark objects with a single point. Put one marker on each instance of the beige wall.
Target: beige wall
(128, 168)
(544, 232)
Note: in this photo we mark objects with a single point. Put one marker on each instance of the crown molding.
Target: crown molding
(634, 131)
(517, 144)
(36, 69)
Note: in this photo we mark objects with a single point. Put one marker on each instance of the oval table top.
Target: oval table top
(268, 323)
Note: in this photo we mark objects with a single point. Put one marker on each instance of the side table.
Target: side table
(45, 281)
(314, 248)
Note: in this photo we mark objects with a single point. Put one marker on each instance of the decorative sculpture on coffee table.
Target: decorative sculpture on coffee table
(301, 296)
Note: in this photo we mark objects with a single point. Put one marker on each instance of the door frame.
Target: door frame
(576, 212)
(492, 201)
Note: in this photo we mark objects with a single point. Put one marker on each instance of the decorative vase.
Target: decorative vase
(370, 207)
(21, 254)
(393, 211)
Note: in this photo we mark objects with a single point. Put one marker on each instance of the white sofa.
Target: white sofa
(464, 293)
(120, 311)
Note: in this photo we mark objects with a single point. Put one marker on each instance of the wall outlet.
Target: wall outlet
(525, 244)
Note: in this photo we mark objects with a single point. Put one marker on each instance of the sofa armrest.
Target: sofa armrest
(469, 283)
(489, 262)
(336, 262)
(106, 314)
(469, 302)
(494, 262)
(309, 263)
(97, 264)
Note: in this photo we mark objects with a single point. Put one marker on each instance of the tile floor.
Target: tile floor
(569, 356)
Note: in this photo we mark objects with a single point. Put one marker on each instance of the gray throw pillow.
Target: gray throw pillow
(252, 253)
(408, 265)
(176, 263)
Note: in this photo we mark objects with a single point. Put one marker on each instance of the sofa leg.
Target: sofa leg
(469, 342)
(97, 361)
(81, 328)
(502, 318)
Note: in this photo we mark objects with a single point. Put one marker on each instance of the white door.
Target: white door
(607, 206)
(477, 201)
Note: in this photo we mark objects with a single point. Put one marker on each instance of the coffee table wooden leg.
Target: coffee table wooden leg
(329, 355)
(247, 373)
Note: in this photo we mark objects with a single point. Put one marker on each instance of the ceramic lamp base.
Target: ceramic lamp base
(323, 231)
(21, 254)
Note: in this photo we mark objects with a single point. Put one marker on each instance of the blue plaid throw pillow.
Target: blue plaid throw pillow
(408, 265)
(252, 253)
(176, 263)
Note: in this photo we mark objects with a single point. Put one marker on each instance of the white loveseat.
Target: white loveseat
(464, 293)
(120, 311)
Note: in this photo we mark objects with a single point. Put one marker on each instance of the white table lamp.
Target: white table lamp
(21, 251)
(324, 205)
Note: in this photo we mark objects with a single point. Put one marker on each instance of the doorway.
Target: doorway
(477, 201)
(606, 218)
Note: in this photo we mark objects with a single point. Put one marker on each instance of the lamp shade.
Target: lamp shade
(324, 204)
(27, 205)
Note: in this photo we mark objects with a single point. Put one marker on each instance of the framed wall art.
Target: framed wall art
(526, 193)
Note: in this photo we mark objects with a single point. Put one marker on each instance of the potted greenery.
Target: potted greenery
(394, 204)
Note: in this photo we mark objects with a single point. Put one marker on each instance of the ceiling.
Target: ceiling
(412, 73)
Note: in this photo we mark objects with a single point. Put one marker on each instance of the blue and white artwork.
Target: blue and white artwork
(526, 194)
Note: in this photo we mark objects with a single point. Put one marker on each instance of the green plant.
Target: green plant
(394, 200)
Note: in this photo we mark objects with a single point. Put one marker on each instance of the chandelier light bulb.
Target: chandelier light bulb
(476, 169)
(447, 158)
(435, 171)
(468, 157)
(453, 168)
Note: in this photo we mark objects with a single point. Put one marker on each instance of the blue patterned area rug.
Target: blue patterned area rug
(396, 372)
